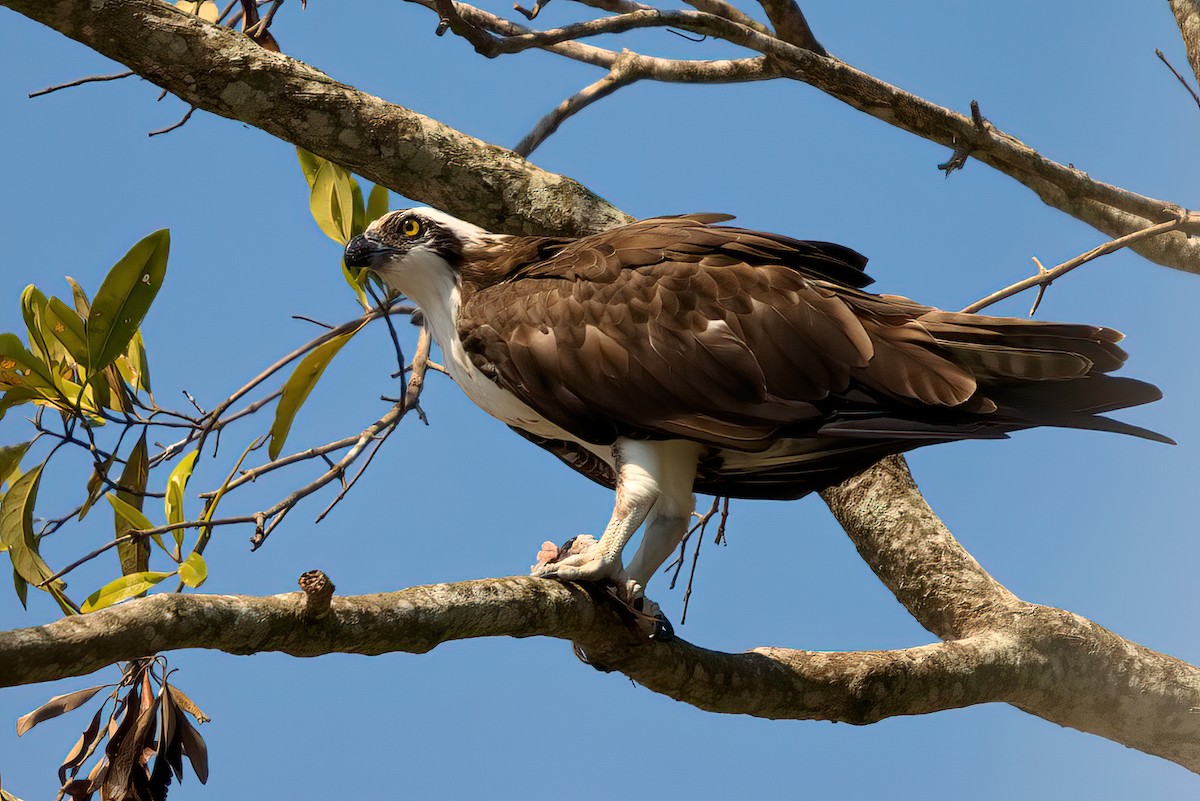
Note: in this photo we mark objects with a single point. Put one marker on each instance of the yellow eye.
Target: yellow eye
(410, 228)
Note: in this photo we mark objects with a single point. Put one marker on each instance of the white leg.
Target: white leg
(669, 519)
(638, 469)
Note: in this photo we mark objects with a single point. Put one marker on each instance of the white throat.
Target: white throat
(427, 280)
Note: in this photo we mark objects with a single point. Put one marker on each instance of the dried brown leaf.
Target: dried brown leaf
(83, 749)
(58, 705)
(187, 704)
(194, 747)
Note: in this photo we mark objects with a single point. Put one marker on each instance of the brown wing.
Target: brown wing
(673, 328)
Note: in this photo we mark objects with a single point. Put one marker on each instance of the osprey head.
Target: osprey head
(412, 248)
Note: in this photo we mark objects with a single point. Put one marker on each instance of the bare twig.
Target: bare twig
(274, 516)
(81, 81)
(1189, 221)
(214, 417)
(531, 13)
(182, 121)
(620, 75)
(1182, 81)
(416, 381)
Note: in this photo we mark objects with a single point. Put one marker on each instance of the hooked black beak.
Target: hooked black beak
(364, 251)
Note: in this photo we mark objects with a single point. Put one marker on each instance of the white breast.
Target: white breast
(427, 280)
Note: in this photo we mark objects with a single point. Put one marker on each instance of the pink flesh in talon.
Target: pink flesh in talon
(548, 553)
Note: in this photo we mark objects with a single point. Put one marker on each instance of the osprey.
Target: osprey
(674, 355)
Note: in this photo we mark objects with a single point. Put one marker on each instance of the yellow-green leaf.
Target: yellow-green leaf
(19, 367)
(82, 304)
(296, 390)
(377, 203)
(15, 397)
(355, 282)
(33, 309)
(134, 518)
(124, 298)
(65, 325)
(310, 164)
(193, 571)
(210, 508)
(176, 485)
(122, 588)
(134, 366)
(332, 202)
(16, 529)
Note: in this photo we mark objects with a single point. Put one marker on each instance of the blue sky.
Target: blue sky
(1098, 524)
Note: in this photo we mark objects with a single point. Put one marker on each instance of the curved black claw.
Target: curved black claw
(663, 630)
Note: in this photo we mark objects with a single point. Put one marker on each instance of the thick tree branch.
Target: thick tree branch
(1054, 664)
(1112, 210)
(1187, 17)
(224, 72)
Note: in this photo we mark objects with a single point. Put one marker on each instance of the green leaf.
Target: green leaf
(298, 386)
(124, 298)
(16, 529)
(193, 571)
(10, 458)
(210, 508)
(176, 485)
(19, 367)
(332, 202)
(65, 325)
(355, 282)
(377, 203)
(310, 164)
(33, 309)
(17, 396)
(133, 364)
(22, 588)
(133, 517)
(122, 588)
(134, 556)
(82, 304)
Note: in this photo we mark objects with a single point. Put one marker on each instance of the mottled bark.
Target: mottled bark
(1121, 691)
(1187, 16)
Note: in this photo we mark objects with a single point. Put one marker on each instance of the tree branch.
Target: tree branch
(224, 72)
(1054, 664)
(1187, 17)
(1112, 210)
